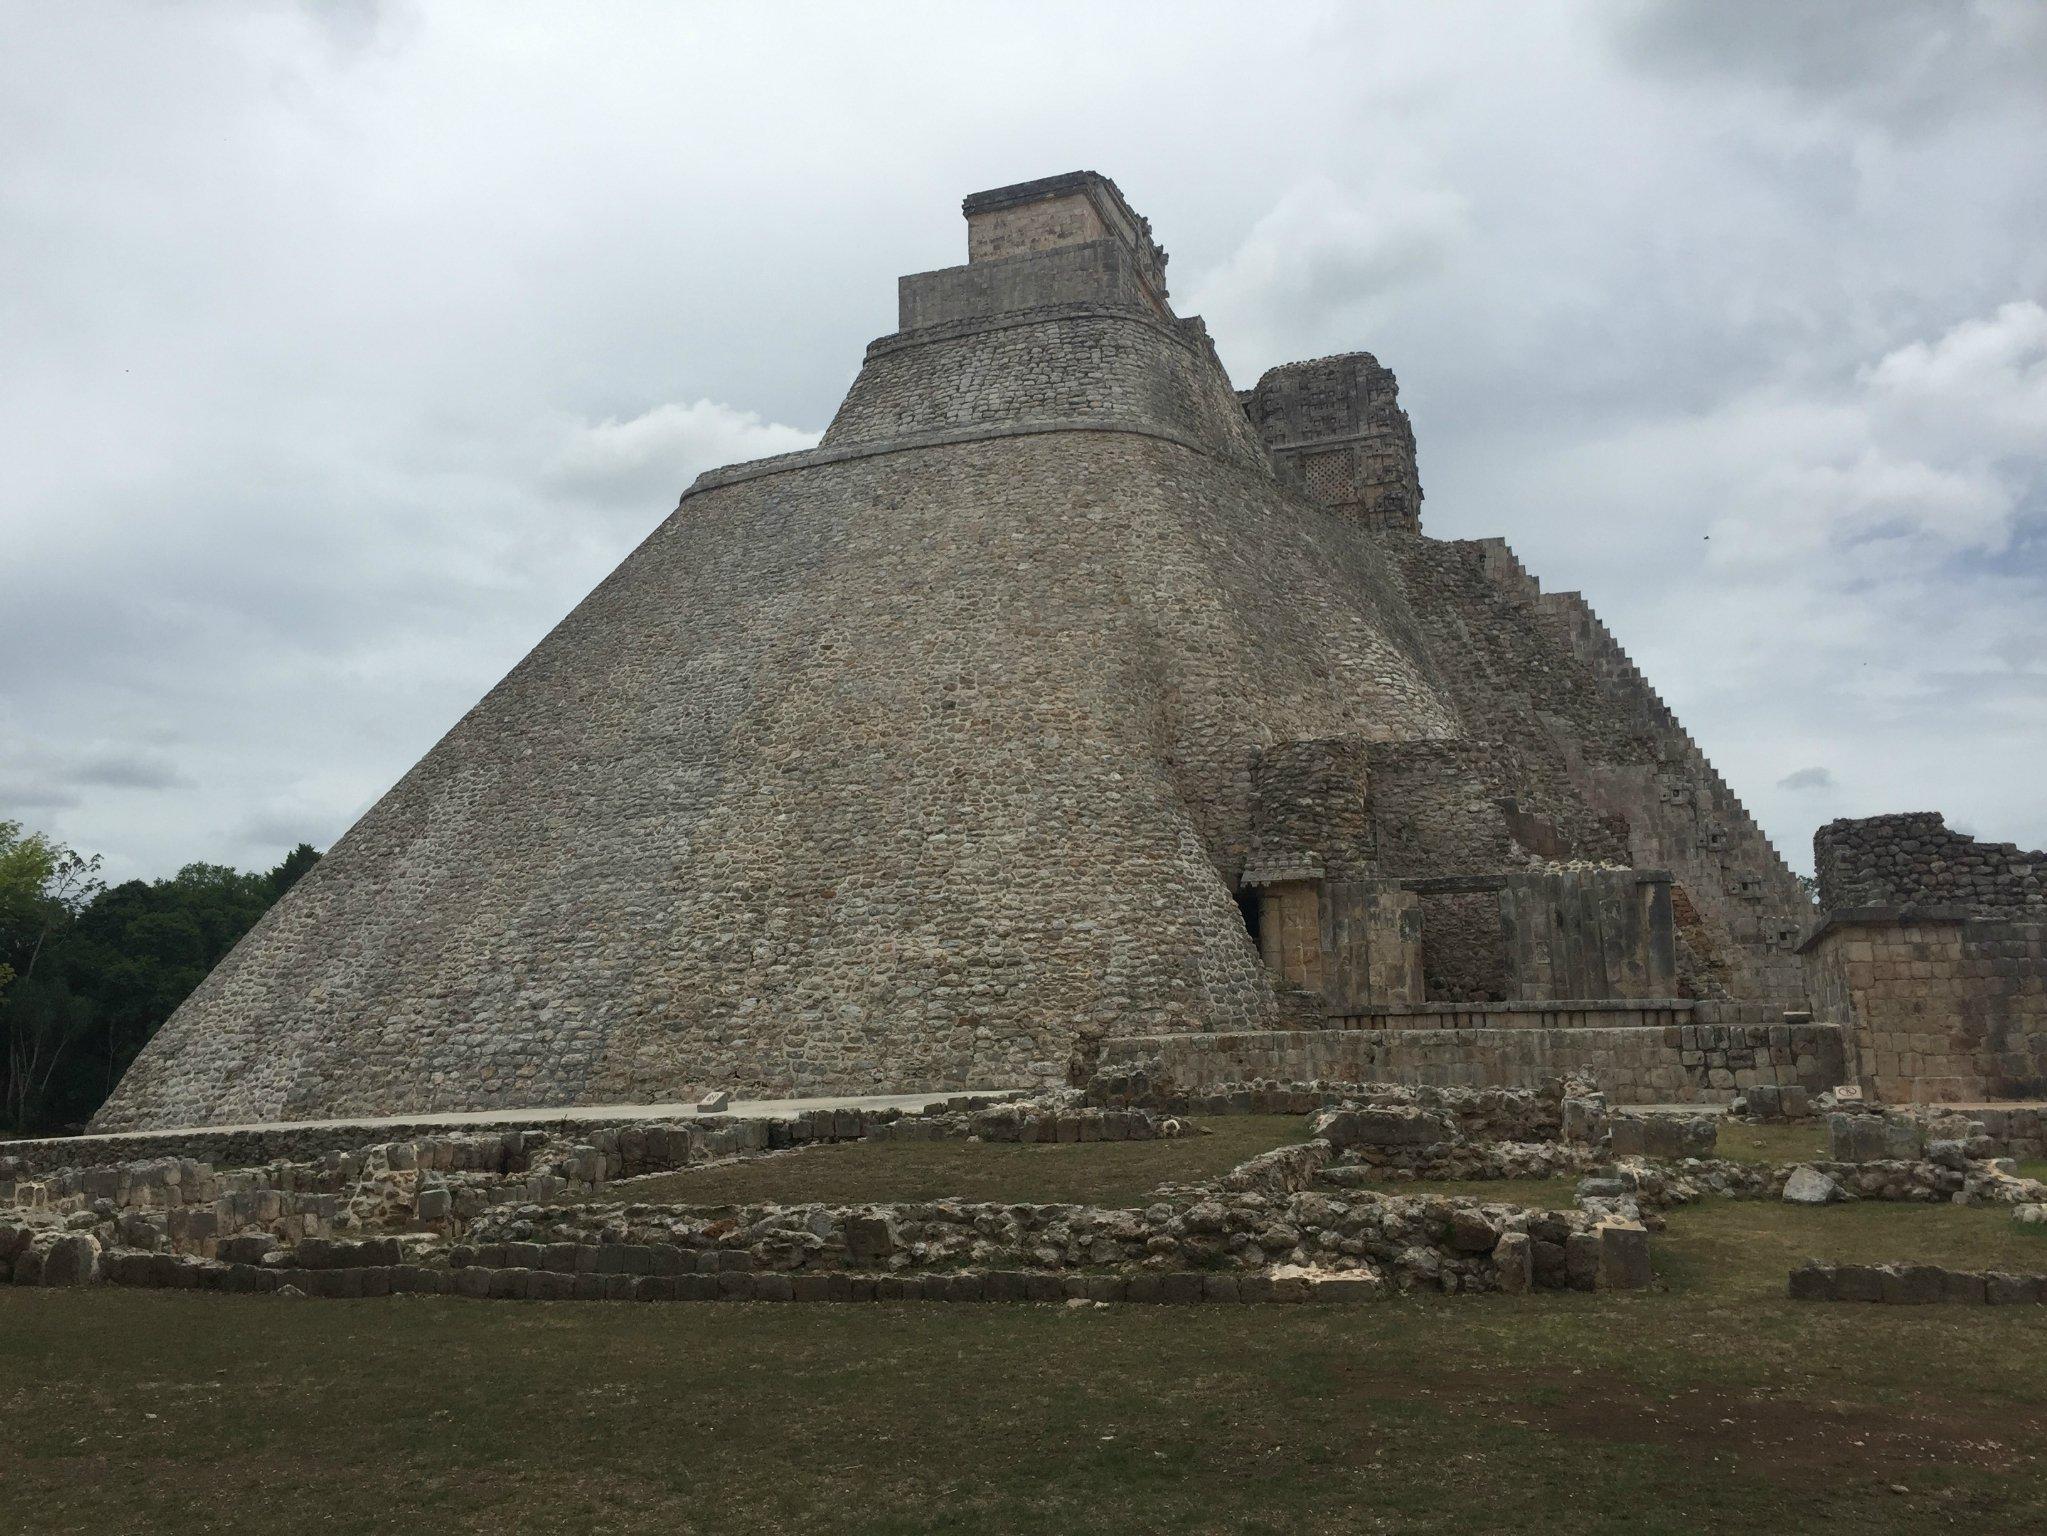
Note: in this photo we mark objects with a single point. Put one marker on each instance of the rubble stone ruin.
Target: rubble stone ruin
(1066, 705)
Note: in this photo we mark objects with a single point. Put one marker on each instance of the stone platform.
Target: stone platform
(1662, 1063)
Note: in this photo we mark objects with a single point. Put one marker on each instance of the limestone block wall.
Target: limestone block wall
(1099, 272)
(1913, 859)
(1667, 1063)
(901, 771)
(1597, 759)
(1936, 1009)
(1070, 362)
(1055, 211)
(1039, 225)
(1314, 799)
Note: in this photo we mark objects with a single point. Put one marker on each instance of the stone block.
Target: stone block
(1812, 1282)
(1911, 1284)
(1962, 1285)
(1181, 1286)
(1345, 1288)
(870, 1237)
(1581, 1260)
(1289, 1288)
(1514, 1263)
(73, 1259)
(1471, 1232)
(1858, 1282)
(1623, 1256)
(2006, 1290)
(1808, 1186)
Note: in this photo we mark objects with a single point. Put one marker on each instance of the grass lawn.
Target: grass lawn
(1090, 1172)
(1716, 1405)
(1799, 1142)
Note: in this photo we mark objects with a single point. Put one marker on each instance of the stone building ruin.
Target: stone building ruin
(1064, 701)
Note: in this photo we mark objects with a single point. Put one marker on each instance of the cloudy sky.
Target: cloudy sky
(344, 347)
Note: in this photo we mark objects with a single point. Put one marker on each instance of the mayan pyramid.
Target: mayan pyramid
(1023, 710)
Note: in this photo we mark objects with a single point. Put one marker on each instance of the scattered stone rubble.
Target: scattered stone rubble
(539, 1214)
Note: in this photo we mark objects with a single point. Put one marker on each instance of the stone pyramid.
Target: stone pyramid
(929, 756)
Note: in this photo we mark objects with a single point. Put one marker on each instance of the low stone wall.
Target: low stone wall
(2015, 1130)
(308, 1143)
(1914, 1285)
(441, 1182)
(1685, 1064)
(1593, 1013)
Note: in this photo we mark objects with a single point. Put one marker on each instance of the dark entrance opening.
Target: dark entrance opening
(1247, 908)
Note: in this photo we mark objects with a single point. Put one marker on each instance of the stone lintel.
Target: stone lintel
(1881, 917)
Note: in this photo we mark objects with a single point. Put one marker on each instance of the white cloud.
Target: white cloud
(1324, 259)
(665, 448)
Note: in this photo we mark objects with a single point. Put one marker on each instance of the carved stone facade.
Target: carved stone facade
(1336, 431)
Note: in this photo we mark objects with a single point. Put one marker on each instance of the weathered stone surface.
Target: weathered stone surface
(1812, 1282)
(1808, 1186)
(73, 1259)
(1623, 1256)
(1387, 1126)
(1514, 1262)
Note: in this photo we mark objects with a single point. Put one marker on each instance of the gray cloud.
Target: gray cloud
(349, 346)
(1807, 778)
(1900, 61)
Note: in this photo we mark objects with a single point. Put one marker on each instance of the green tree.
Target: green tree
(110, 970)
(43, 887)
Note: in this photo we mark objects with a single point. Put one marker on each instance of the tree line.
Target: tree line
(88, 971)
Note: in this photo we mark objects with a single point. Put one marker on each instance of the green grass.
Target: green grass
(1716, 1405)
(1800, 1142)
(2034, 1168)
(1091, 1172)
(1741, 1250)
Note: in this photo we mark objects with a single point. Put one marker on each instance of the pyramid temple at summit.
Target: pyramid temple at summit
(1067, 707)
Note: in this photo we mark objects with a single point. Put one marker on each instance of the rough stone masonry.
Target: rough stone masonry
(1063, 692)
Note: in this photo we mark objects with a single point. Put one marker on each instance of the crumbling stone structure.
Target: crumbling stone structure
(1932, 953)
(1061, 692)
